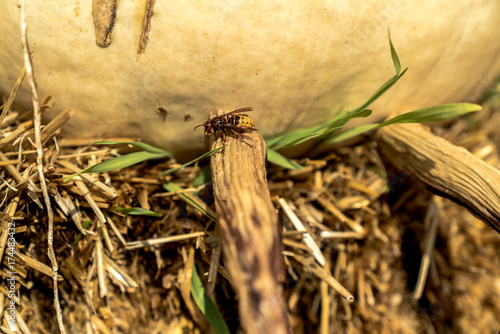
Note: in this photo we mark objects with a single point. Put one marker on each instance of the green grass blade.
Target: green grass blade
(206, 305)
(278, 159)
(334, 124)
(384, 88)
(142, 146)
(434, 114)
(209, 153)
(285, 140)
(120, 162)
(204, 177)
(344, 117)
(85, 225)
(352, 133)
(298, 137)
(394, 55)
(139, 212)
(195, 202)
(425, 115)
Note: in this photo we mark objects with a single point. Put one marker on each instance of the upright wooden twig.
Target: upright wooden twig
(249, 229)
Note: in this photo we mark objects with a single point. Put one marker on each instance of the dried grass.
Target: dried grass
(342, 233)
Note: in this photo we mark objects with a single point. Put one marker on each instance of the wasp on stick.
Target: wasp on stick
(233, 121)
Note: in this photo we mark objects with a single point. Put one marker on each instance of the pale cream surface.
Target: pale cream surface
(296, 63)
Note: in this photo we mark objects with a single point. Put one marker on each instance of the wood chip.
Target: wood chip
(104, 15)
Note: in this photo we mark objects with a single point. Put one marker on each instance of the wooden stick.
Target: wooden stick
(451, 170)
(248, 225)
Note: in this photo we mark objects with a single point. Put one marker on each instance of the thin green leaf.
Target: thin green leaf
(425, 115)
(195, 202)
(289, 137)
(344, 117)
(85, 225)
(209, 153)
(351, 133)
(434, 114)
(139, 212)
(120, 162)
(301, 135)
(384, 88)
(203, 177)
(142, 146)
(278, 159)
(298, 137)
(395, 58)
(206, 305)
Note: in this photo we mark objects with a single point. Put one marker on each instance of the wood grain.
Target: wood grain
(451, 170)
(248, 225)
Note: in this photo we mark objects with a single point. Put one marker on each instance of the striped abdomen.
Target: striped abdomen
(241, 121)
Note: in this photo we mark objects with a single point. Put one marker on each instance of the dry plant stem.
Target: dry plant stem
(163, 240)
(325, 276)
(76, 142)
(451, 170)
(109, 192)
(432, 223)
(56, 123)
(249, 229)
(36, 265)
(306, 237)
(12, 95)
(9, 212)
(38, 141)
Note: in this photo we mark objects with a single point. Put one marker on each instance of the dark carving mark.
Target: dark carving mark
(255, 298)
(238, 239)
(146, 26)
(256, 220)
(104, 15)
(255, 266)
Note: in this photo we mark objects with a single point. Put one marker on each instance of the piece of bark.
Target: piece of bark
(146, 27)
(104, 15)
(248, 225)
(450, 170)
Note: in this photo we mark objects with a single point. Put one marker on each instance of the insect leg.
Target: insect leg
(240, 137)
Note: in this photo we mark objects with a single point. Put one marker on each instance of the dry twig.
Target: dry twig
(250, 234)
(38, 140)
(451, 170)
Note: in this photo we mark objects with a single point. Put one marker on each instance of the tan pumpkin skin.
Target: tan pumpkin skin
(296, 64)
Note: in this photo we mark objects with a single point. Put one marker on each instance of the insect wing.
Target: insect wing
(237, 111)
